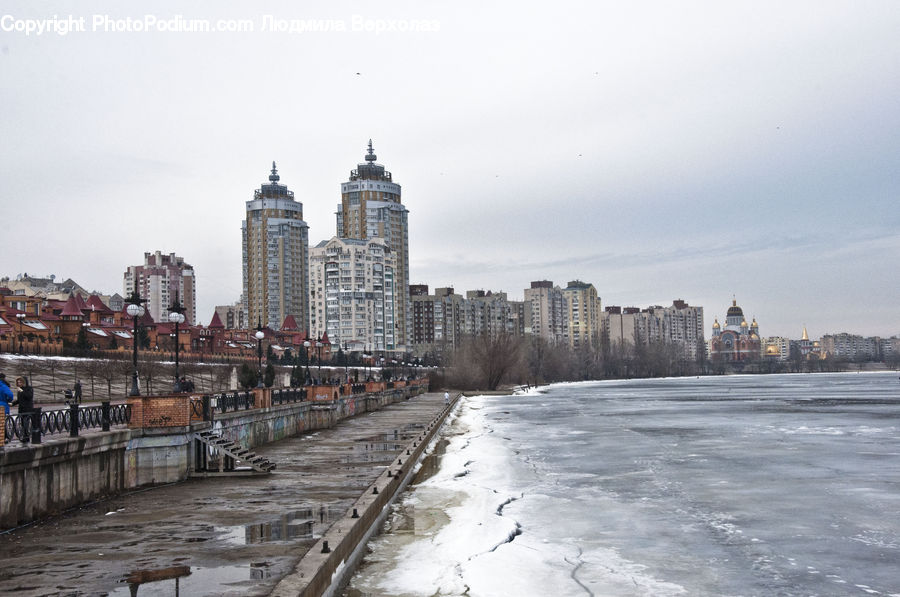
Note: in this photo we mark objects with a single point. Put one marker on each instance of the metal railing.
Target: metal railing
(288, 395)
(232, 401)
(32, 426)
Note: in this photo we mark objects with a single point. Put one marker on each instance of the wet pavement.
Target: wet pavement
(219, 536)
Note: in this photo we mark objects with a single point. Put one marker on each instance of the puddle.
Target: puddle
(369, 450)
(299, 524)
(185, 580)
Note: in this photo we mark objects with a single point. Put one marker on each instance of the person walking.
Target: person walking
(25, 402)
(77, 390)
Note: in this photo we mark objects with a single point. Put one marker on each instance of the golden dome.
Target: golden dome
(716, 324)
(744, 323)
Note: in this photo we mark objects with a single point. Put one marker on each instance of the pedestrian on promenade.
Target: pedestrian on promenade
(25, 400)
(446, 397)
(6, 395)
(77, 390)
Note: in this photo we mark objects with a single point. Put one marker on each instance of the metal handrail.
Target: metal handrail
(21, 425)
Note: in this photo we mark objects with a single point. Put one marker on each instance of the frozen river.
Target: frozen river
(739, 485)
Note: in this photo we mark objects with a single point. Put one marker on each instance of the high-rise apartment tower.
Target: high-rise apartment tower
(371, 208)
(276, 265)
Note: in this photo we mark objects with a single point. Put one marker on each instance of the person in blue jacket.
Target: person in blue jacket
(6, 395)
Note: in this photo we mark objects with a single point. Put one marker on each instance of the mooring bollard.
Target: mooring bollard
(104, 415)
(355, 514)
(375, 490)
(325, 548)
(73, 420)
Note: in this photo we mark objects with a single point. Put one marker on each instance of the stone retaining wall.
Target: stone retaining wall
(48, 478)
(325, 570)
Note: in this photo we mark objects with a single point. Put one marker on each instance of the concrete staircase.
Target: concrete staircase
(230, 453)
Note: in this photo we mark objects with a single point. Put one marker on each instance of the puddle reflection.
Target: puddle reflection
(183, 580)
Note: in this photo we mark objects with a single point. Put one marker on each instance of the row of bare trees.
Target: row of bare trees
(109, 379)
(486, 362)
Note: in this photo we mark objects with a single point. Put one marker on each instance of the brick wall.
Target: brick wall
(160, 411)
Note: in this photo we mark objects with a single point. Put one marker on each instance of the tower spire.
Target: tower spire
(370, 156)
(273, 177)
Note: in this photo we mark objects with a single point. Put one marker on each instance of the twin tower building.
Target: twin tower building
(354, 287)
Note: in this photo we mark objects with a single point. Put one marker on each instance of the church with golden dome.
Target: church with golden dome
(737, 341)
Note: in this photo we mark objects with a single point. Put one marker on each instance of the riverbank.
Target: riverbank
(676, 486)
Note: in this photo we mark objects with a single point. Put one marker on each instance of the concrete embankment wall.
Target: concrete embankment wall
(61, 473)
(329, 564)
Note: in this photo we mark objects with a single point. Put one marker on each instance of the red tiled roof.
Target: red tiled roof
(79, 302)
(95, 304)
(325, 339)
(71, 309)
(290, 324)
(216, 322)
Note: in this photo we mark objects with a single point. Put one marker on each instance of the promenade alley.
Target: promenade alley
(219, 536)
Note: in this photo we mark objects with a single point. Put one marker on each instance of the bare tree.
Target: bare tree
(152, 370)
(92, 369)
(108, 371)
(223, 376)
(489, 358)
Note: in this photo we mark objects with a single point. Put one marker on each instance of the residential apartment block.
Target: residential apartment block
(438, 319)
(160, 280)
(371, 208)
(679, 325)
(583, 315)
(851, 346)
(353, 294)
(232, 316)
(275, 260)
(545, 312)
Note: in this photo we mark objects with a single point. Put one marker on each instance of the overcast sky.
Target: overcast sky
(659, 150)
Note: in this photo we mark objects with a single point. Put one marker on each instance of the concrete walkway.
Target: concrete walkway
(222, 536)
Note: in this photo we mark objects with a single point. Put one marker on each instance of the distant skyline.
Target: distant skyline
(692, 150)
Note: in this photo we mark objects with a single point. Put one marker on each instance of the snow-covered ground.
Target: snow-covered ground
(741, 485)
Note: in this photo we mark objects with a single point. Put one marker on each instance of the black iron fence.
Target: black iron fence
(232, 401)
(32, 426)
(288, 395)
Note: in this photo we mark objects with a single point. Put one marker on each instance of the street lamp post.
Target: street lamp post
(346, 362)
(135, 309)
(367, 356)
(306, 345)
(259, 337)
(176, 316)
(319, 346)
(21, 318)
